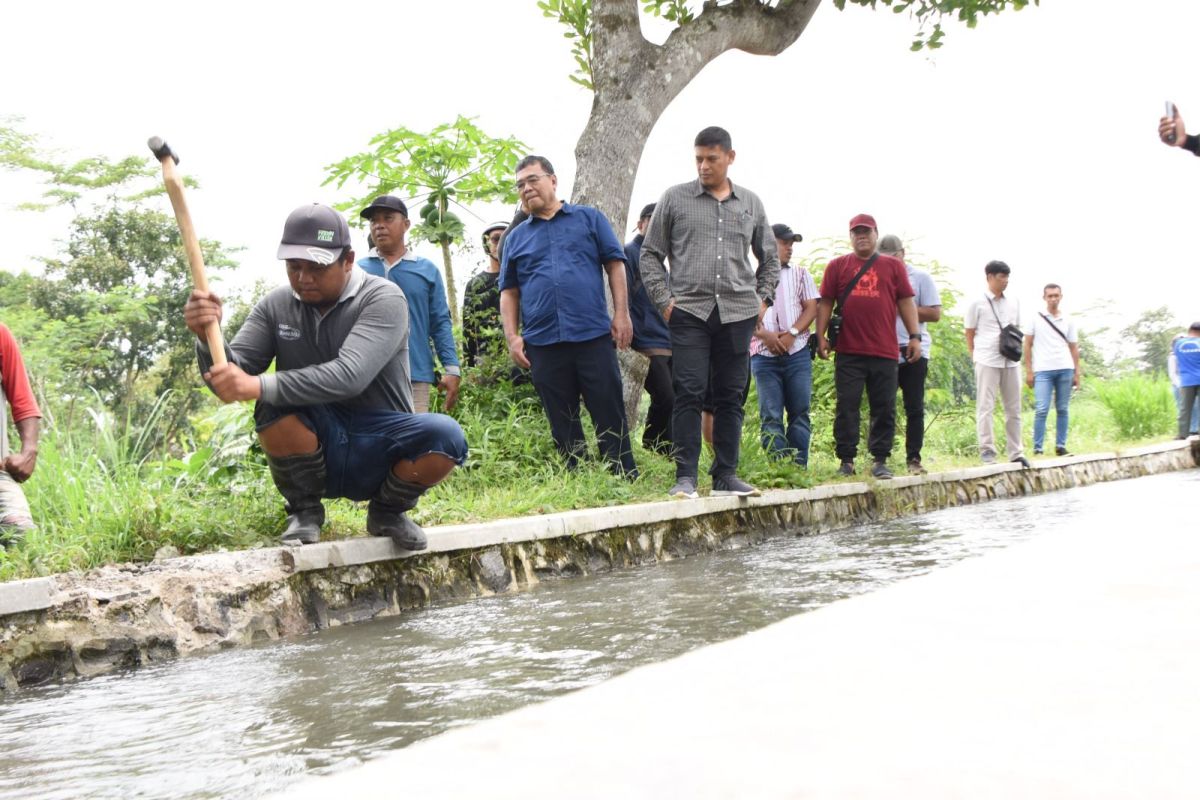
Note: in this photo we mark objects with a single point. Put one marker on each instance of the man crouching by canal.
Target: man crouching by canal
(335, 418)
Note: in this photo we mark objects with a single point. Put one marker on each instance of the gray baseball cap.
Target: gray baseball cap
(314, 233)
(890, 244)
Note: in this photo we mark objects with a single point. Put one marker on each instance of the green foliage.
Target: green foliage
(1140, 405)
(130, 179)
(456, 163)
(576, 16)
(929, 14)
(1152, 334)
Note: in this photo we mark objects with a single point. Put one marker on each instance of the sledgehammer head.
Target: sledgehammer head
(161, 149)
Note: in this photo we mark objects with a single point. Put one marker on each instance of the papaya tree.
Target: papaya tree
(455, 164)
(633, 80)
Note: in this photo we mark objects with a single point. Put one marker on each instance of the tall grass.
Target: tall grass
(106, 492)
(111, 490)
(1141, 406)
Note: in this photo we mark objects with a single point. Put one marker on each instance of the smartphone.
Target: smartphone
(1170, 115)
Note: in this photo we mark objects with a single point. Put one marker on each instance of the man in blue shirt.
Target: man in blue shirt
(652, 339)
(552, 289)
(1187, 359)
(428, 310)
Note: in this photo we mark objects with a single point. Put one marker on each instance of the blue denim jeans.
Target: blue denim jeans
(1058, 382)
(784, 384)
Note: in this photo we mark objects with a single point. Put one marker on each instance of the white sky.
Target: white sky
(1030, 139)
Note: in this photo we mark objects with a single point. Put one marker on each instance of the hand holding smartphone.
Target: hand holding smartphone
(1171, 116)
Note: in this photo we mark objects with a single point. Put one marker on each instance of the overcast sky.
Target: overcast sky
(1029, 139)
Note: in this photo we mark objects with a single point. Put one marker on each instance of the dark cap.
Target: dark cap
(890, 245)
(1195, 326)
(863, 221)
(647, 211)
(785, 233)
(385, 201)
(314, 233)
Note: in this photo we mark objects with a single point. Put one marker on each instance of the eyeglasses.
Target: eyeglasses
(532, 180)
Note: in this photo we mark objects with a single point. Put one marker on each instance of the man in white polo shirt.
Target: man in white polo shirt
(1051, 367)
(994, 373)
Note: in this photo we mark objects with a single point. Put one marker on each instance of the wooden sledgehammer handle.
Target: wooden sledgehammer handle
(191, 243)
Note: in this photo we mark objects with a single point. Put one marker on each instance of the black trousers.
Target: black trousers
(657, 436)
(878, 375)
(565, 371)
(911, 378)
(695, 345)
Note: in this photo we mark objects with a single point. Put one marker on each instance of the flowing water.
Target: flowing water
(248, 722)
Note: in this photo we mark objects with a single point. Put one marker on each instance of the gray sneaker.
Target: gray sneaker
(988, 458)
(684, 489)
(847, 468)
(880, 471)
(733, 485)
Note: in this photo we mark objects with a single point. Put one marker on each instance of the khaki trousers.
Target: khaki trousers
(1006, 381)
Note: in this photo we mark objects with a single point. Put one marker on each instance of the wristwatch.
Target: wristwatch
(794, 332)
(912, 336)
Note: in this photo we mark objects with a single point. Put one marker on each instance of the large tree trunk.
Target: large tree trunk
(451, 291)
(634, 82)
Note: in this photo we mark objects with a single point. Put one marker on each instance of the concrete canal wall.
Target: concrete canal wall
(118, 617)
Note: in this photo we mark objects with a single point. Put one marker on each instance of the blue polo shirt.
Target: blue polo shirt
(428, 312)
(558, 266)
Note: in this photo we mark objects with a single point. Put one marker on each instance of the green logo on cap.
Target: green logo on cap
(324, 236)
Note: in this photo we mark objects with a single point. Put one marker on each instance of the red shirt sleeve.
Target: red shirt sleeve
(16, 382)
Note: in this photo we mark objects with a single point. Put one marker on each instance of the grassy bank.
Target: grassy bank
(104, 493)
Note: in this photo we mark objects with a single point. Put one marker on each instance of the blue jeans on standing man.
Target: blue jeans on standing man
(784, 384)
(1058, 381)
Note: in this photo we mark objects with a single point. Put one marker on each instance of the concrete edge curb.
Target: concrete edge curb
(582, 522)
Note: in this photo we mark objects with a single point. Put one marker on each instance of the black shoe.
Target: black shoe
(881, 471)
(386, 513)
(733, 485)
(304, 526)
(1037, 452)
(1023, 461)
(847, 468)
(1061, 451)
(383, 521)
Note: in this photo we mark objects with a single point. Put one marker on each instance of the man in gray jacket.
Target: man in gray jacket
(336, 417)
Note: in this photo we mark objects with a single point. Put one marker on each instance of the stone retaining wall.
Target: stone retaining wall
(119, 617)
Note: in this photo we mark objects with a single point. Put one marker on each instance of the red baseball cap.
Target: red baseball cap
(863, 221)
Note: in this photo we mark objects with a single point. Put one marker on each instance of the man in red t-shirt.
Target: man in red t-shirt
(866, 343)
(16, 468)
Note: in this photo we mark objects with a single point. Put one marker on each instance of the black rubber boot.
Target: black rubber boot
(301, 481)
(386, 517)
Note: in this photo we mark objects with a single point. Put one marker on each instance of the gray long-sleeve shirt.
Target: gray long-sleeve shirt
(355, 355)
(708, 243)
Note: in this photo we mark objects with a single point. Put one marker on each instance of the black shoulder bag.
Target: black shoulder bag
(835, 320)
(1012, 341)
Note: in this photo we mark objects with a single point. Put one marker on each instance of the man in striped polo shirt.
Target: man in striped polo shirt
(781, 359)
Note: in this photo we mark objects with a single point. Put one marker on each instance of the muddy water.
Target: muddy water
(243, 723)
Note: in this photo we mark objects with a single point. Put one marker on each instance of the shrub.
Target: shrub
(1141, 406)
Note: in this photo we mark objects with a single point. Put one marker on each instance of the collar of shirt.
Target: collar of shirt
(565, 208)
(701, 190)
(409, 255)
